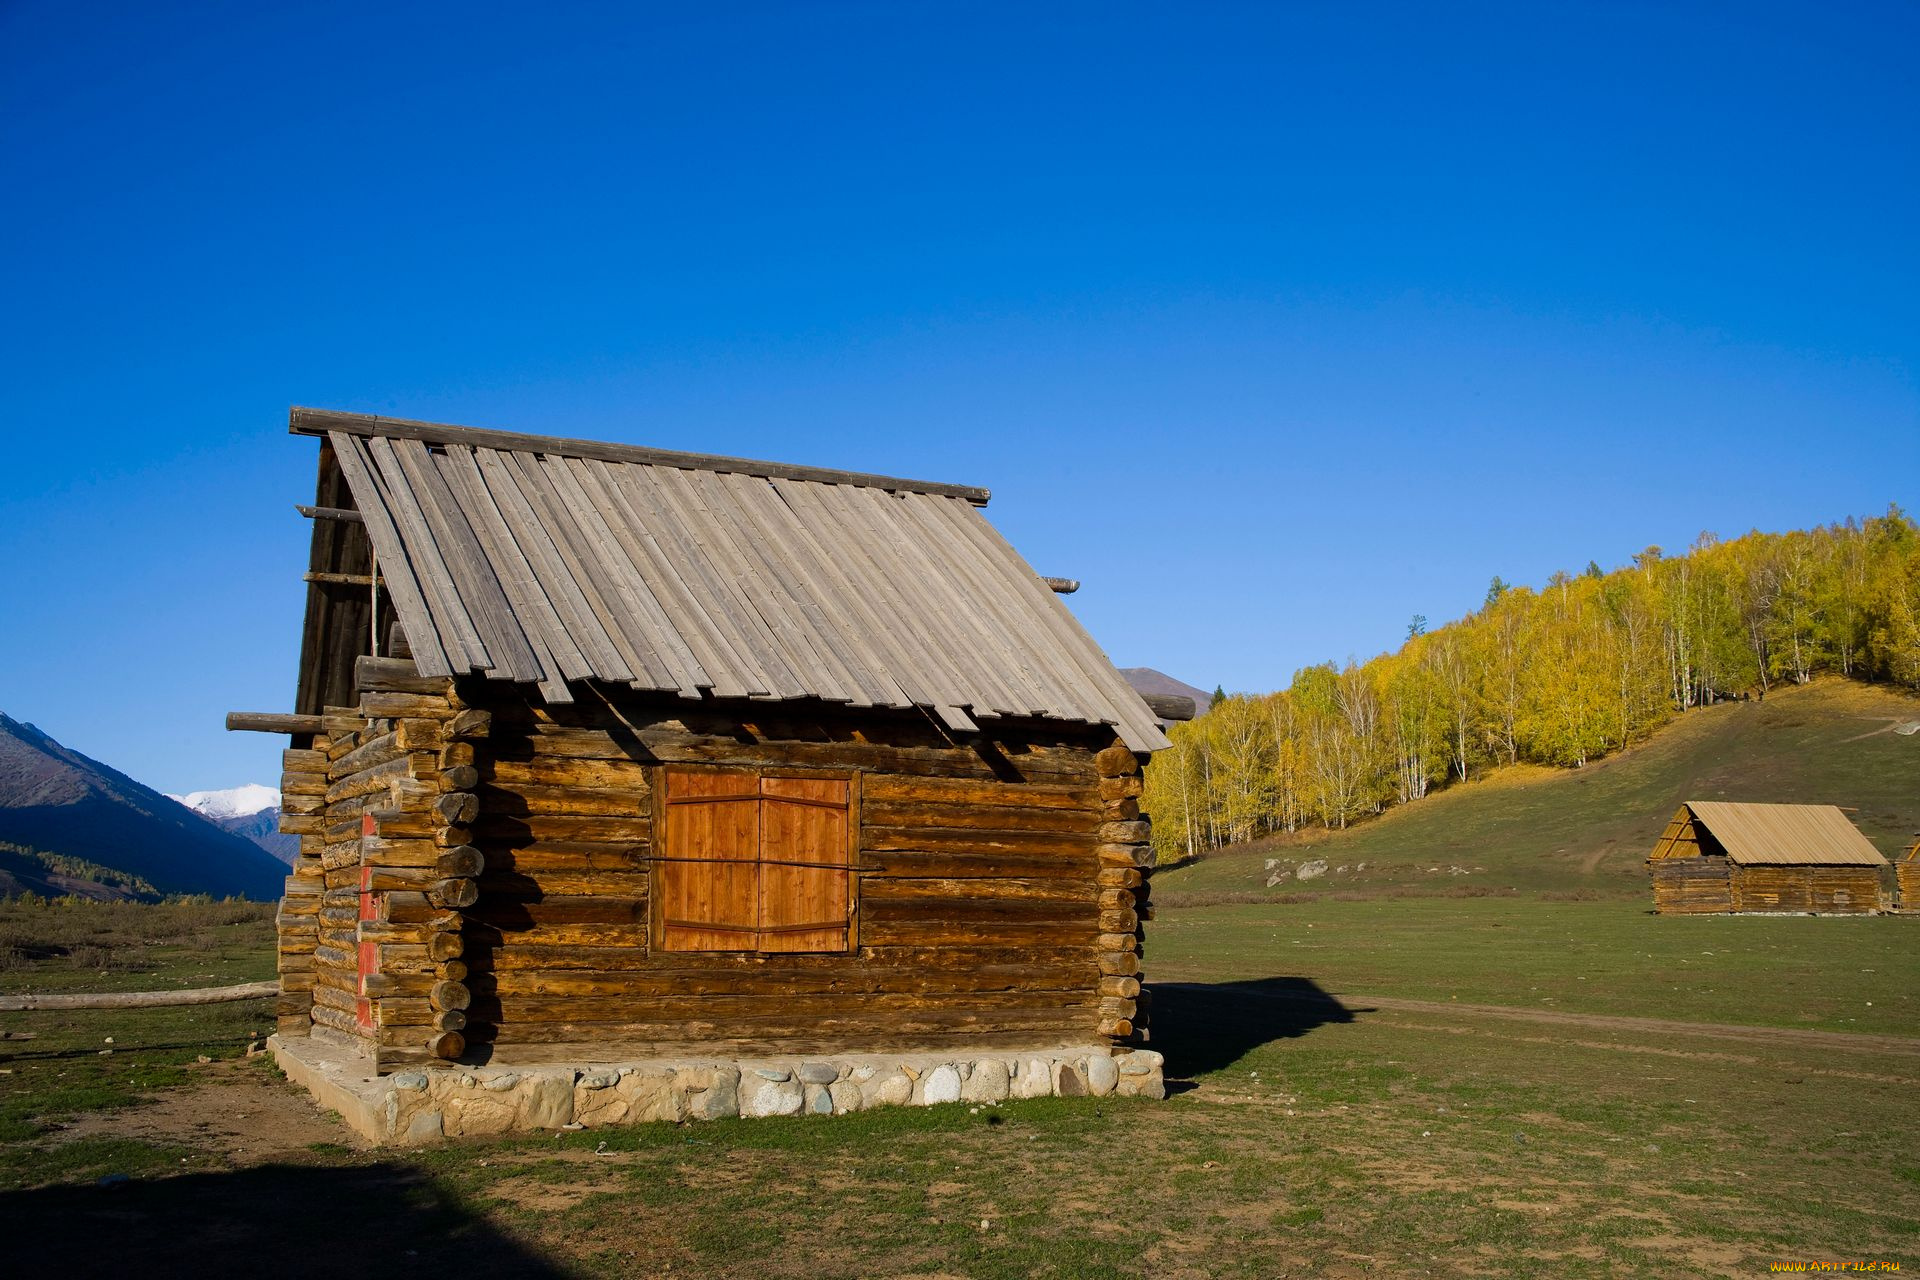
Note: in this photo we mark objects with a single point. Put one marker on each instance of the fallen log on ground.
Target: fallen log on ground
(140, 999)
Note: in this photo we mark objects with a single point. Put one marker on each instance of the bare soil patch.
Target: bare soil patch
(238, 1110)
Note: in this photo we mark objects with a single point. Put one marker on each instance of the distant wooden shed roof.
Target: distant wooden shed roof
(538, 559)
(1772, 834)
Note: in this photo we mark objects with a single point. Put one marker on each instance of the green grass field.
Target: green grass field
(86, 1061)
(1345, 1104)
(1305, 1138)
(1608, 957)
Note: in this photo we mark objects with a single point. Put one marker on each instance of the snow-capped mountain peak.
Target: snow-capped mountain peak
(234, 802)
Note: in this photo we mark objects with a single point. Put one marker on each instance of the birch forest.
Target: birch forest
(1584, 666)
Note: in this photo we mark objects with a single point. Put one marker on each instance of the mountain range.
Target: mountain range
(67, 820)
(251, 812)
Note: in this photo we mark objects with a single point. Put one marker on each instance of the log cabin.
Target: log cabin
(1906, 874)
(607, 753)
(1716, 858)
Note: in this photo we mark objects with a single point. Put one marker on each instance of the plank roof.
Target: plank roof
(1784, 834)
(544, 560)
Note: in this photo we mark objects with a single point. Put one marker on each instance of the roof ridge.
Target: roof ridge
(302, 421)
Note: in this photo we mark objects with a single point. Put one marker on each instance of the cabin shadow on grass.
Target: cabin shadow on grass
(1206, 1026)
(263, 1219)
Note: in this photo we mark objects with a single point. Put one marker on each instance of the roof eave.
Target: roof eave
(303, 421)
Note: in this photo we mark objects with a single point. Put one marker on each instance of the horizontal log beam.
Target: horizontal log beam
(338, 579)
(394, 675)
(329, 513)
(140, 999)
(1169, 706)
(314, 422)
(271, 722)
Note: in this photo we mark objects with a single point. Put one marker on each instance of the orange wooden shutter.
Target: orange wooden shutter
(806, 864)
(709, 874)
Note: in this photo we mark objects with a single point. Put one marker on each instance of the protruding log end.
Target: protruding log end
(457, 808)
(462, 862)
(1061, 586)
(1168, 706)
(271, 722)
(447, 1044)
(330, 513)
(470, 724)
(455, 894)
(448, 994)
(1117, 761)
(459, 777)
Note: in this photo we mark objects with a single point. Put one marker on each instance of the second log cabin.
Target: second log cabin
(1717, 857)
(602, 751)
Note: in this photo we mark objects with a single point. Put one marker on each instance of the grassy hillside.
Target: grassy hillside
(1587, 830)
(53, 875)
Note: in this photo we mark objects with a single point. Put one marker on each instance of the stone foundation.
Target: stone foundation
(425, 1105)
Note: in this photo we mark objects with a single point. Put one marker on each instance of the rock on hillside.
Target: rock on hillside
(58, 801)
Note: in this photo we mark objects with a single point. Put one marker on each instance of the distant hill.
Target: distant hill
(55, 801)
(1147, 680)
(251, 812)
(1589, 830)
(24, 870)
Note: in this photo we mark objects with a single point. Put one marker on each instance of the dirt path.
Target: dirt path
(1859, 1042)
(241, 1110)
(1891, 726)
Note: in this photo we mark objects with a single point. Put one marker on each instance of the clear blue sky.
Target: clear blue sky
(1275, 324)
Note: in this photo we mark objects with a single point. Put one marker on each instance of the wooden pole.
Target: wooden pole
(273, 722)
(141, 999)
(330, 513)
(1169, 706)
(373, 610)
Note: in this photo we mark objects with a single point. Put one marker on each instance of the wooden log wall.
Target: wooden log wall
(1906, 874)
(386, 867)
(1715, 886)
(1825, 890)
(1692, 886)
(303, 802)
(1001, 885)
